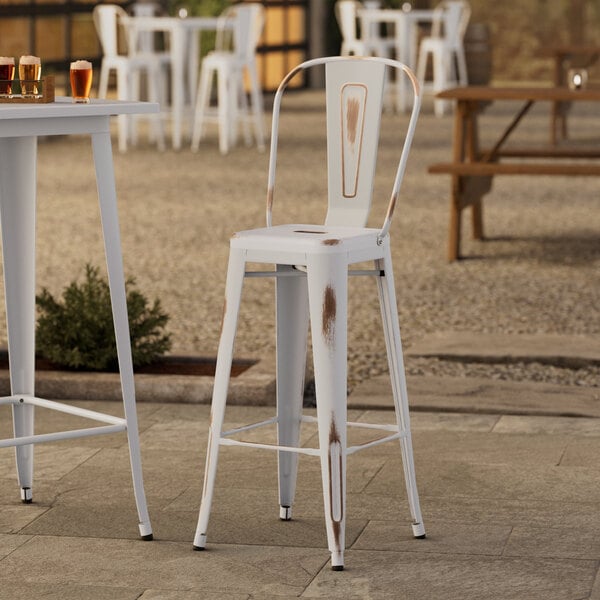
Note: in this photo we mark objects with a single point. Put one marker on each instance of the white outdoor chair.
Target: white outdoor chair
(445, 45)
(128, 67)
(234, 57)
(311, 271)
(368, 43)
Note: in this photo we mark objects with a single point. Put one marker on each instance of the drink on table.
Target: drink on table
(30, 70)
(7, 74)
(81, 80)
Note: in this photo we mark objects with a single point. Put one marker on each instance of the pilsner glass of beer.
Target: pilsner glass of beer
(30, 70)
(7, 74)
(81, 81)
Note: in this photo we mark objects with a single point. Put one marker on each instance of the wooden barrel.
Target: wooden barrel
(478, 53)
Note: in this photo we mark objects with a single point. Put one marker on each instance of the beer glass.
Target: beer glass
(30, 70)
(81, 81)
(7, 73)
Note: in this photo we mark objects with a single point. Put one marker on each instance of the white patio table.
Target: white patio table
(406, 29)
(184, 42)
(20, 126)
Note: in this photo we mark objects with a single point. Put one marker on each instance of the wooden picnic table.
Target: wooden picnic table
(473, 168)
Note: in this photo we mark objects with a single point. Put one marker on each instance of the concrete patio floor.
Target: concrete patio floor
(511, 505)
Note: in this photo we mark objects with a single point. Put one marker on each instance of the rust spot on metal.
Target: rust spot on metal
(334, 436)
(269, 199)
(392, 205)
(352, 112)
(331, 242)
(329, 312)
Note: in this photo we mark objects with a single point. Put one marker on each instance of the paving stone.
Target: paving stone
(51, 461)
(561, 350)
(416, 575)
(164, 565)
(581, 452)
(449, 478)
(180, 595)
(71, 591)
(8, 543)
(479, 395)
(443, 537)
(548, 425)
(505, 511)
(552, 542)
(15, 517)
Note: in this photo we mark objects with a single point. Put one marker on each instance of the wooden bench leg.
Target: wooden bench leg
(477, 220)
(466, 191)
(455, 222)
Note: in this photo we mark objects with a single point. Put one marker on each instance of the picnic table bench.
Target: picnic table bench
(473, 169)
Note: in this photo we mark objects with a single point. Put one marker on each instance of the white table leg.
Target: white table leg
(107, 197)
(17, 216)
(177, 85)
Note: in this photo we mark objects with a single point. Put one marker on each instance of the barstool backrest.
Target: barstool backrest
(451, 20)
(106, 20)
(354, 97)
(346, 14)
(239, 29)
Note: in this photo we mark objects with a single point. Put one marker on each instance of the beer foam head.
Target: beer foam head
(81, 64)
(7, 60)
(29, 60)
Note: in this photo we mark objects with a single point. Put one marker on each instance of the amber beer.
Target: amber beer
(30, 71)
(81, 80)
(7, 74)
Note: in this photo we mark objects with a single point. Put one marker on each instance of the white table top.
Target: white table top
(64, 107)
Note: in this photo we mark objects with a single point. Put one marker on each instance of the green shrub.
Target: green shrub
(78, 332)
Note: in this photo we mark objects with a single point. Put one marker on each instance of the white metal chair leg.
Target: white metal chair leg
(389, 313)
(292, 339)
(226, 98)
(233, 293)
(327, 291)
(103, 83)
(122, 120)
(107, 197)
(244, 112)
(202, 104)
(257, 107)
(17, 218)
(154, 84)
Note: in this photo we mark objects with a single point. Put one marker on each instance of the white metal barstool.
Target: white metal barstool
(128, 67)
(445, 45)
(311, 271)
(244, 23)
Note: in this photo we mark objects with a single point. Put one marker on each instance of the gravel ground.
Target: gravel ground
(538, 271)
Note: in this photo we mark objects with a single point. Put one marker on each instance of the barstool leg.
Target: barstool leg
(225, 109)
(257, 106)
(202, 104)
(233, 293)
(17, 217)
(389, 313)
(292, 334)
(328, 293)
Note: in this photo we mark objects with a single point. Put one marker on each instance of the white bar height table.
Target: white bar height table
(405, 25)
(20, 126)
(184, 46)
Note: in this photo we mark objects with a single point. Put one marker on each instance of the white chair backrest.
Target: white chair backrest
(145, 39)
(239, 29)
(346, 14)
(451, 16)
(354, 100)
(106, 20)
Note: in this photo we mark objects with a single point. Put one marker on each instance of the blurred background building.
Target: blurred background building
(507, 40)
